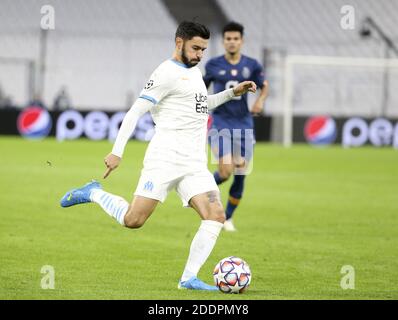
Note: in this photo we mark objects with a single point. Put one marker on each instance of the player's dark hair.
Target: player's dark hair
(233, 26)
(187, 30)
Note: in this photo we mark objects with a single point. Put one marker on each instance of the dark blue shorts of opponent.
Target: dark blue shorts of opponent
(237, 142)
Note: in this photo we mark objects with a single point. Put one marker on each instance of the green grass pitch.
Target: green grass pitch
(306, 213)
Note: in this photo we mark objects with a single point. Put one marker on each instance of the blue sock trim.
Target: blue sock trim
(235, 192)
(230, 210)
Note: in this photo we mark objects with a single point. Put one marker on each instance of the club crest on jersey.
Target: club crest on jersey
(149, 85)
(234, 72)
(201, 103)
(148, 186)
(246, 72)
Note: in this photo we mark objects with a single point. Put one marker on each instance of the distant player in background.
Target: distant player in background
(225, 72)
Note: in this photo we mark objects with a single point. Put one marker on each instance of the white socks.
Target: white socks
(113, 205)
(201, 246)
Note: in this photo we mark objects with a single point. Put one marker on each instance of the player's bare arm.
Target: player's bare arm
(258, 106)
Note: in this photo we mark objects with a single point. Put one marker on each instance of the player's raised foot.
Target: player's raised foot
(229, 226)
(79, 195)
(196, 284)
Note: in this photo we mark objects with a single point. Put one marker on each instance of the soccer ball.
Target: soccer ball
(232, 275)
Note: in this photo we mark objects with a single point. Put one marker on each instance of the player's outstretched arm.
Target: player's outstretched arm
(215, 100)
(112, 160)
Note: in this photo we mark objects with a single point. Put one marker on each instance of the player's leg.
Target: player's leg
(130, 215)
(221, 148)
(139, 211)
(208, 205)
(235, 195)
(225, 169)
(112, 204)
(242, 154)
(211, 211)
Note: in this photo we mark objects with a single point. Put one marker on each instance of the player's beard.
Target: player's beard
(187, 62)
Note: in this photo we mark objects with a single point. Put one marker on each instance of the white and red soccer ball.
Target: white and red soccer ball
(232, 275)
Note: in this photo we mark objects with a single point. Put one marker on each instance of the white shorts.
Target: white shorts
(156, 182)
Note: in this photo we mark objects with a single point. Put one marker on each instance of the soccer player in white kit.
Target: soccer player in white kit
(176, 157)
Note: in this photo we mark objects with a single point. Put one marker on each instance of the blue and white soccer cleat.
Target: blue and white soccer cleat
(196, 284)
(79, 195)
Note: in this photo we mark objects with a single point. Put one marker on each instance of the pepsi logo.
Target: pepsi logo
(34, 123)
(320, 130)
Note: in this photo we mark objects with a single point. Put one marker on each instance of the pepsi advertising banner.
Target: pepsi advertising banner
(349, 132)
(35, 122)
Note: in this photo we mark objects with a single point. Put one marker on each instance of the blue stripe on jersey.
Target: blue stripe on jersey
(148, 98)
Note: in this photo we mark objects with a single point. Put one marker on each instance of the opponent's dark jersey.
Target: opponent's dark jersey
(234, 114)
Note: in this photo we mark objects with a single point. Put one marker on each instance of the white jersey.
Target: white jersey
(180, 115)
